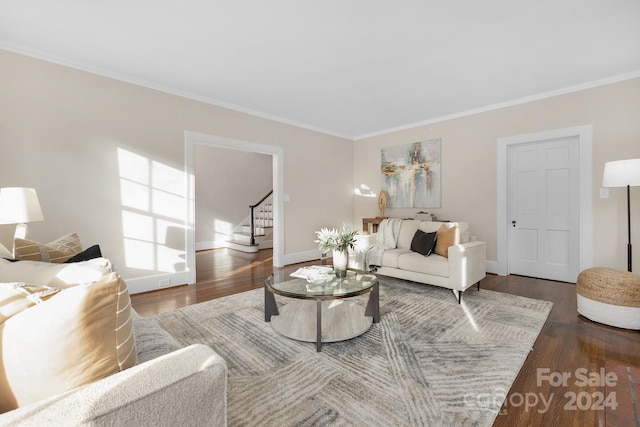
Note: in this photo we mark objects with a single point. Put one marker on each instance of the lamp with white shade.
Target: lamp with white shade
(19, 205)
(623, 173)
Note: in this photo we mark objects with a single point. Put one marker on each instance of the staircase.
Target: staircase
(256, 232)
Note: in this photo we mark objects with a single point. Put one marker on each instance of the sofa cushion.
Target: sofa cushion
(390, 257)
(407, 231)
(423, 243)
(448, 235)
(465, 232)
(76, 337)
(429, 226)
(409, 227)
(59, 275)
(434, 265)
(463, 227)
(56, 251)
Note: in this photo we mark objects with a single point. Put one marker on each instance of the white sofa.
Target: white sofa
(464, 267)
(169, 385)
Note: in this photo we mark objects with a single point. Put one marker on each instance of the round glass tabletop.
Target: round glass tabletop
(320, 282)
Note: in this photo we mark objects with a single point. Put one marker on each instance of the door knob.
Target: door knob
(514, 223)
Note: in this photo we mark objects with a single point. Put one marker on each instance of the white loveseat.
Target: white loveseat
(463, 268)
(168, 386)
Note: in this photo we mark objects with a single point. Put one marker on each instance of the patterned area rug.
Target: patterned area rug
(429, 361)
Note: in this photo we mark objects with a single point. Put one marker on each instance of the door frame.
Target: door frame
(585, 149)
(194, 138)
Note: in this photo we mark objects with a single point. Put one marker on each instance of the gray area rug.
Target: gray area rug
(429, 362)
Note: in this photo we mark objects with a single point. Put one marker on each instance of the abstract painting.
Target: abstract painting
(411, 175)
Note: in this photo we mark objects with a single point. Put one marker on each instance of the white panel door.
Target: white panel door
(543, 188)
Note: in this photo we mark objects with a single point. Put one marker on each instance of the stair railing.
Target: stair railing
(252, 208)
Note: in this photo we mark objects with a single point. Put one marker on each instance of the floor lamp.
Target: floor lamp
(623, 173)
(19, 205)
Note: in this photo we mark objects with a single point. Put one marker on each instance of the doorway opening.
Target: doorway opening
(192, 139)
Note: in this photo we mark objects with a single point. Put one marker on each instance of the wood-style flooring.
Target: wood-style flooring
(563, 381)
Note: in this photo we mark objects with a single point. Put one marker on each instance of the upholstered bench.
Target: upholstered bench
(609, 296)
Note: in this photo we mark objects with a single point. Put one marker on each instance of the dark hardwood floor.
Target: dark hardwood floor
(219, 272)
(569, 346)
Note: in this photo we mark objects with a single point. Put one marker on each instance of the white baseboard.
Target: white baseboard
(301, 257)
(491, 267)
(213, 244)
(153, 283)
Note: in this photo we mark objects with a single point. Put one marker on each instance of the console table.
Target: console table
(373, 222)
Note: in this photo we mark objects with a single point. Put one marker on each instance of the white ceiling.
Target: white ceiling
(350, 68)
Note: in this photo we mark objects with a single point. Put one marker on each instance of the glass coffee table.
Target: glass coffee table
(323, 307)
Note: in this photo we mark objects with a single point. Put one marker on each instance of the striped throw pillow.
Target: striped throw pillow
(57, 251)
(77, 336)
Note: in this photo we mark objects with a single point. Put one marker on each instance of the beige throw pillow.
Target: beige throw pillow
(5, 253)
(448, 235)
(57, 251)
(17, 297)
(76, 337)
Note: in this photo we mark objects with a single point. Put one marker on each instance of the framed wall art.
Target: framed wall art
(411, 174)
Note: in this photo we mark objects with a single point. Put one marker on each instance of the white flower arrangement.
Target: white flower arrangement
(336, 240)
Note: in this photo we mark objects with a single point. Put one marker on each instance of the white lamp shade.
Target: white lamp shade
(621, 173)
(19, 205)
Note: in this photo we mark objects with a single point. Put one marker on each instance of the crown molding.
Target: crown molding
(550, 94)
(206, 100)
(169, 90)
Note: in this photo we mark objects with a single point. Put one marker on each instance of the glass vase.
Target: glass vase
(340, 263)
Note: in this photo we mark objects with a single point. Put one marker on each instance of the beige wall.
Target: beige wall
(77, 137)
(71, 134)
(469, 159)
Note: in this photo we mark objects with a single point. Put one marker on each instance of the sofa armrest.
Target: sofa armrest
(366, 240)
(467, 264)
(358, 254)
(185, 387)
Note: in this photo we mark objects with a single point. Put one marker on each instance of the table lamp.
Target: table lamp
(623, 173)
(19, 205)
